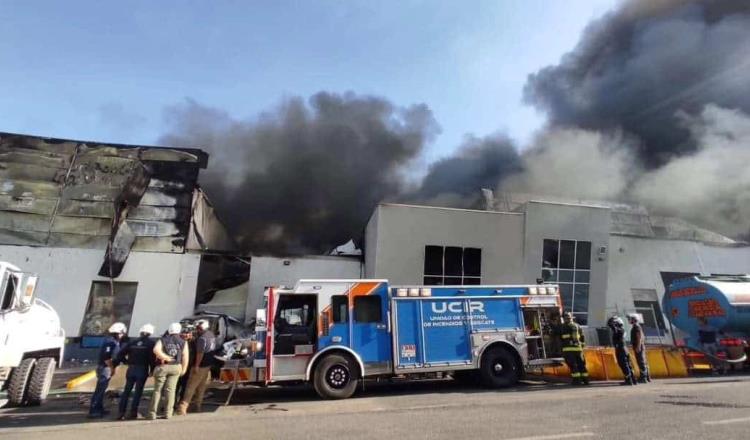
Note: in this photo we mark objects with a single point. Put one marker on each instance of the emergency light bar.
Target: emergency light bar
(542, 290)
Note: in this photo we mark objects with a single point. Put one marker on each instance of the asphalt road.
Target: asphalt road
(705, 408)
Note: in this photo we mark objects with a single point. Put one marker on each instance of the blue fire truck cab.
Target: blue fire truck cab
(336, 333)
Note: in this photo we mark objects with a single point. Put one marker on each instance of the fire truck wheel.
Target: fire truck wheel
(499, 368)
(18, 381)
(335, 377)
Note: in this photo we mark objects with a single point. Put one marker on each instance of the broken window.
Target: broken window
(108, 305)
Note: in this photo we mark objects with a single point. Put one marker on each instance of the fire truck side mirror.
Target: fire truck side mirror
(260, 318)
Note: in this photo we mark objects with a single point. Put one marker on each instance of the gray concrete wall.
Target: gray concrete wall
(271, 271)
(166, 282)
(568, 222)
(371, 244)
(636, 263)
(403, 231)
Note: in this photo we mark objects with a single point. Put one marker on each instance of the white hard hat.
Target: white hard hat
(147, 328)
(174, 328)
(202, 324)
(634, 317)
(117, 327)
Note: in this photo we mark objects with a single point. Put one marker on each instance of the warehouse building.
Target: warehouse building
(115, 232)
(607, 258)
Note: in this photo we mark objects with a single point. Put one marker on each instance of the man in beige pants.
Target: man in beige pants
(201, 370)
(172, 355)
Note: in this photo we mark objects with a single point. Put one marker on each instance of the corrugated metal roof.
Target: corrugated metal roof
(60, 192)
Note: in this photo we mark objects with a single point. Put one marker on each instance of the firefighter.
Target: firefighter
(172, 355)
(200, 372)
(638, 342)
(188, 336)
(621, 351)
(105, 368)
(571, 336)
(138, 355)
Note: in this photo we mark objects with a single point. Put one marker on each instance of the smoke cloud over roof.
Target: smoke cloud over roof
(650, 107)
(305, 176)
(637, 68)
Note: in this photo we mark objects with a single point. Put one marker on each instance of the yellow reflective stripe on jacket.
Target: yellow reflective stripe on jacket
(575, 374)
(565, 336)
(572, 349)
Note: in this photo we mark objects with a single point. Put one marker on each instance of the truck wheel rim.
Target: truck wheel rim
(498, 368)
(338, 376)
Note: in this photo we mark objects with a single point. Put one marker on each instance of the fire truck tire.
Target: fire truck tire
(499, 368)
(335, 377)
(18, 381)
(41, 381)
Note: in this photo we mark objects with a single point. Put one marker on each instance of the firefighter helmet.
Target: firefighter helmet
(118, 327)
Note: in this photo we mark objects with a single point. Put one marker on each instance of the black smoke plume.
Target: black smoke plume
(638, 68)
(306, 176)
(478, 163)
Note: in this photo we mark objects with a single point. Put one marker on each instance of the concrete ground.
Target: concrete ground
(706, 408)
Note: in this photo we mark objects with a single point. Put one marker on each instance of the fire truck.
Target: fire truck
(335, 334)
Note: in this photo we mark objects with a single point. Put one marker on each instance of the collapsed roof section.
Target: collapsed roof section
(66, 193)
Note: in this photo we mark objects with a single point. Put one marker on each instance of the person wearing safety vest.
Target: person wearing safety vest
(572, 339)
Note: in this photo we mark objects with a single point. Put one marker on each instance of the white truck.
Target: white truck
(31, 338)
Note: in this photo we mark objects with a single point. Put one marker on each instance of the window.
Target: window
(340, 308)
(452, 265)
(108, 304)
(9, 293)
(653, 320)
(367, 309)
(568, 264)
(294, 323)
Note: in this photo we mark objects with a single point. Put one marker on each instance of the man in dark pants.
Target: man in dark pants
(572, 339)
(138, 355)
(105, 368)
(187, 335)
(621, 352)
(638, 342)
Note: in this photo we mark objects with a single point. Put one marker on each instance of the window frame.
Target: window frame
(337, 307)
(570, 274)
(89, 310)
(435, 278)
(360, 299)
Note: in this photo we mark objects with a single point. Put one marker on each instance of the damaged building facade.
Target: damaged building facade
(607, 258)
(115, 232)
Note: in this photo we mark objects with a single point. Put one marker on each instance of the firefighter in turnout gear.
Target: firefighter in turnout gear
(571, 336)
(621, 352)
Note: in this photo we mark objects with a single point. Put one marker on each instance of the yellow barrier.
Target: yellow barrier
(80, 380)
(601, 363)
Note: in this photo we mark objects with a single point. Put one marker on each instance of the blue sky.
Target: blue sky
(107, 70)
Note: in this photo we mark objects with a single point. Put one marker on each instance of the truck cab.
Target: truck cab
(31, 338)
(335, 333)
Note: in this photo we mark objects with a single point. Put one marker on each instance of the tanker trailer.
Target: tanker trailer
(714, 312)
